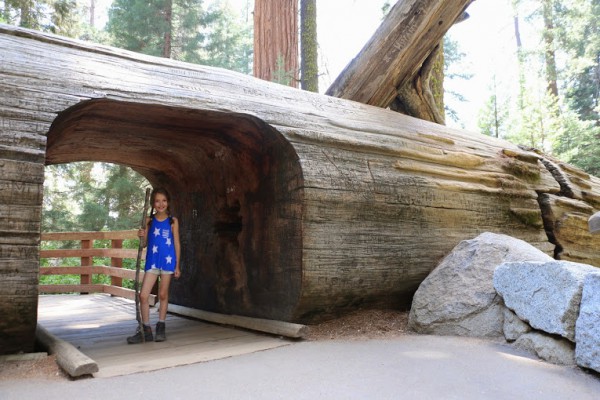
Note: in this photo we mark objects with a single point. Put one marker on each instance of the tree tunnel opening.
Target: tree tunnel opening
(236, 187)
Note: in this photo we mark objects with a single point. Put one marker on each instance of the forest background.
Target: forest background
(535, 65)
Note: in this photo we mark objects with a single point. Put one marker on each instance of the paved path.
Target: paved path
(410, 367)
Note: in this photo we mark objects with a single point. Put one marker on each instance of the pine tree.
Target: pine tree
(227, 40)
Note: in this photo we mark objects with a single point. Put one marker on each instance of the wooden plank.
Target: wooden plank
(258, 324)
(68, 357)
(98, 269)
(91, 288)
(170, 357)
(128, 293)
(63, 253)
(111, 235)
(94, 288)
(98, 325)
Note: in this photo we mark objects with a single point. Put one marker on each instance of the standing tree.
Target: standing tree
(227, 40)
(163, 28)
(549, 53)
(56, 16)
(276, 41)
(309, 47)
(493, 117)
(140, 26)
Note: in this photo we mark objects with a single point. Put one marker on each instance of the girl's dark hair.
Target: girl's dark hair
(164, 192)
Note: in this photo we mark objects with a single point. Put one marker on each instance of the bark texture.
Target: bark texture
(276, 41)
(407, 47)
(309, 46)
(292, 205)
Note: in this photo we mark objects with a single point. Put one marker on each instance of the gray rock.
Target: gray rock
(544, 294)
(458, 297)
(587, 327)
(555, 350)
(513, 326)
(594, 223)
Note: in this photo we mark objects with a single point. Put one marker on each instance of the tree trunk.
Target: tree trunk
(92, 13)
(520, 56)
(276, 41)
(168, 29)
(423, 96)
(550, 58)
(407, 47)
(308, 42)
(292, 206)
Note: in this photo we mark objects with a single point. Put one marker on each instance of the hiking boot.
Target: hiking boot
(160, 332)
(138, 338)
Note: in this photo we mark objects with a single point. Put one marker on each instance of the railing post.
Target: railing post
(116, 262)
(86, 262)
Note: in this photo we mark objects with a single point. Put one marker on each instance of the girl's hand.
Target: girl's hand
(142, 233)
(177, 273)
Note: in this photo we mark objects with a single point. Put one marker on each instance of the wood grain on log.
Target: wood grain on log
(293, 206)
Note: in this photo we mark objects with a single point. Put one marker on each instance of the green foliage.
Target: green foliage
(213, 37)
(139, 25)
(455, 72)
(280, 75)
(61, 17)
(128, 263)
(578, 34)
(227, 40)
(578, 143)
(493, 118)
(92, 197)
(566, 126)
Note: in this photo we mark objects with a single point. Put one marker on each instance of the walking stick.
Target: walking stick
(136, 285)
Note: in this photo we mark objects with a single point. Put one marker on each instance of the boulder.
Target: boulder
(587, 327)
(594, 223)
(458, 297)
(513, 326)
(544, 294)
(555, 350)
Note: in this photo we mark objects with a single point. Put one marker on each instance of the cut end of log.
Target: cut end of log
(74, 362)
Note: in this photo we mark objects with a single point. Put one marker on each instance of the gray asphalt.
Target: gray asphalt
(410, 367)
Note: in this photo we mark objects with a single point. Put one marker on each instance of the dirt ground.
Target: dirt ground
(360, 325)
(44, 368)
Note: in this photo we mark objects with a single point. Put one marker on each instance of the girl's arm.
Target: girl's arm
(177, 244)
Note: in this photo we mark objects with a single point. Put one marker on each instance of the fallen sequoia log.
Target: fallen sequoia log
(294, 206)
(406, 45)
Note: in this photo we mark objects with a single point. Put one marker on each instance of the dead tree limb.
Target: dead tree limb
(399, 54)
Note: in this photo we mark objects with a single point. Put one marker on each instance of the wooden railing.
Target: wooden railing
(86, 253)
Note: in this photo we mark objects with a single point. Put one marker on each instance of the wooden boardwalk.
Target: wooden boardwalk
(98, 325)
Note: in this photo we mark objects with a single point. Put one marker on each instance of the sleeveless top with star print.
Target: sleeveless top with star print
(160, 253)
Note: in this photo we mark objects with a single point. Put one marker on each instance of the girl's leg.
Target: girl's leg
(147, 285)
(163, 296)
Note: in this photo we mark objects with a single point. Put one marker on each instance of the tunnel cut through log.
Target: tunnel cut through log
(236, 186)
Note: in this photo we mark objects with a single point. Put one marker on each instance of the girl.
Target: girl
(162, 259)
